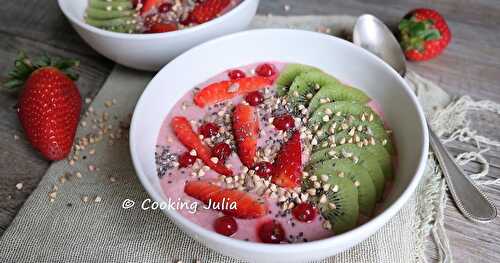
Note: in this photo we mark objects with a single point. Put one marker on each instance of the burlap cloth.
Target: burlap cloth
(85, 221)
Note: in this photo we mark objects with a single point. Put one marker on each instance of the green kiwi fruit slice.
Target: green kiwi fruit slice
(383, 158)
(342, 108)
(117, 16)
(305, 86)
(354, 129)
(338, 92)
(288, 75)
(359, 156)
(342, 206)
(367, 194)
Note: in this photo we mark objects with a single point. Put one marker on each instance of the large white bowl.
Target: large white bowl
(336, 56)
(152, 51)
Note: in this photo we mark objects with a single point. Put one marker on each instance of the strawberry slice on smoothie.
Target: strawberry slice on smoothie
(184, 132)
(246, 133)
(247, 206)
(287, 169)
(228, 89)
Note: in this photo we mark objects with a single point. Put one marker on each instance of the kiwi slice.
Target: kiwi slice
(342, 206)
(353, 130)
(367, 194)
(383, 158)
(338, 92)
(288, 75)
(360, 156)
(116, 15)
(342, 108)
(305, 86)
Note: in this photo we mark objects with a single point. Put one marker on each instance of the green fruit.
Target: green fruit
(362, 130)
(363, 157)
(367, 195)
(117, 15)
(288, 75)
(342, 207)
(342, 108)
(305, 86)
(338, 92)
(383, 158)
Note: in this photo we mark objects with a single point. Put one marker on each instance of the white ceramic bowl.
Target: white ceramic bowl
(344, 60)
(152, 51)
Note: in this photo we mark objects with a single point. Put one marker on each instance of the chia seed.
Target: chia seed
(164, 160)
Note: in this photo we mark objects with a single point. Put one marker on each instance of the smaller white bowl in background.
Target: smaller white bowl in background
(152, 51)
(350, 63)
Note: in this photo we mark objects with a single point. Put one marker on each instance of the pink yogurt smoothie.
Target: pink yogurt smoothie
(174, 179)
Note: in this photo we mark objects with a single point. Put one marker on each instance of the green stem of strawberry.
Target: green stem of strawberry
(24, 66)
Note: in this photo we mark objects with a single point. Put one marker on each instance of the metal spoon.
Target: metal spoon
(374, 36)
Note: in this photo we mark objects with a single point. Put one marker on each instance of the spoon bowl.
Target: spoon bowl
(372, 34)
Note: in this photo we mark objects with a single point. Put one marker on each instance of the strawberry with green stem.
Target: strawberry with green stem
(49, 103)
(424, 34)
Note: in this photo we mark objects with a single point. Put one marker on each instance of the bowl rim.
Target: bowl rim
(231, 13)
(344, 238)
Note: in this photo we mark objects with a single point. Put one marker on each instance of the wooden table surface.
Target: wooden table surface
(470, 65)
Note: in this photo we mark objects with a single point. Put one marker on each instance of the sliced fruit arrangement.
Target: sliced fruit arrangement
(314, 150)
(246, 133)
(184, 132)
(350, 159)
(247, 206)
(424, 34)
(49, 103)
(152, 16)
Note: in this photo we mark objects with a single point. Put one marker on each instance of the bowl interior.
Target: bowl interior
(340, 58)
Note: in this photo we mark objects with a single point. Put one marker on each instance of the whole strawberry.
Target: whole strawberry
(49, 104)
(424, 34)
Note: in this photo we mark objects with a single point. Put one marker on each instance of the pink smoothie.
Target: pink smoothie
(173, 179)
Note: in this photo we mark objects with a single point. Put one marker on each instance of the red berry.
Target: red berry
(165, 7)
(263, 169)
(265, 70)
(162, 28)
(236, 74)
(284, 122)
(271, 232)
(221, 151)
(225, 225)
(186, 160)
(254, 98)
(304, 212)
(208, 129)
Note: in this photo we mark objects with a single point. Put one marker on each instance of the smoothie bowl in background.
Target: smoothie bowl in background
(286, 151)
(147, 34)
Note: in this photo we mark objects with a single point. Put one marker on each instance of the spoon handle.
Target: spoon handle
(470, 200)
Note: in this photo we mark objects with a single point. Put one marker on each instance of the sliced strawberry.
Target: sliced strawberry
(190, 139)
(246, 133)
(208, 10)
(246, 205)
(228, 89)
(288, 164)
(148, 5)
(162, 28)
